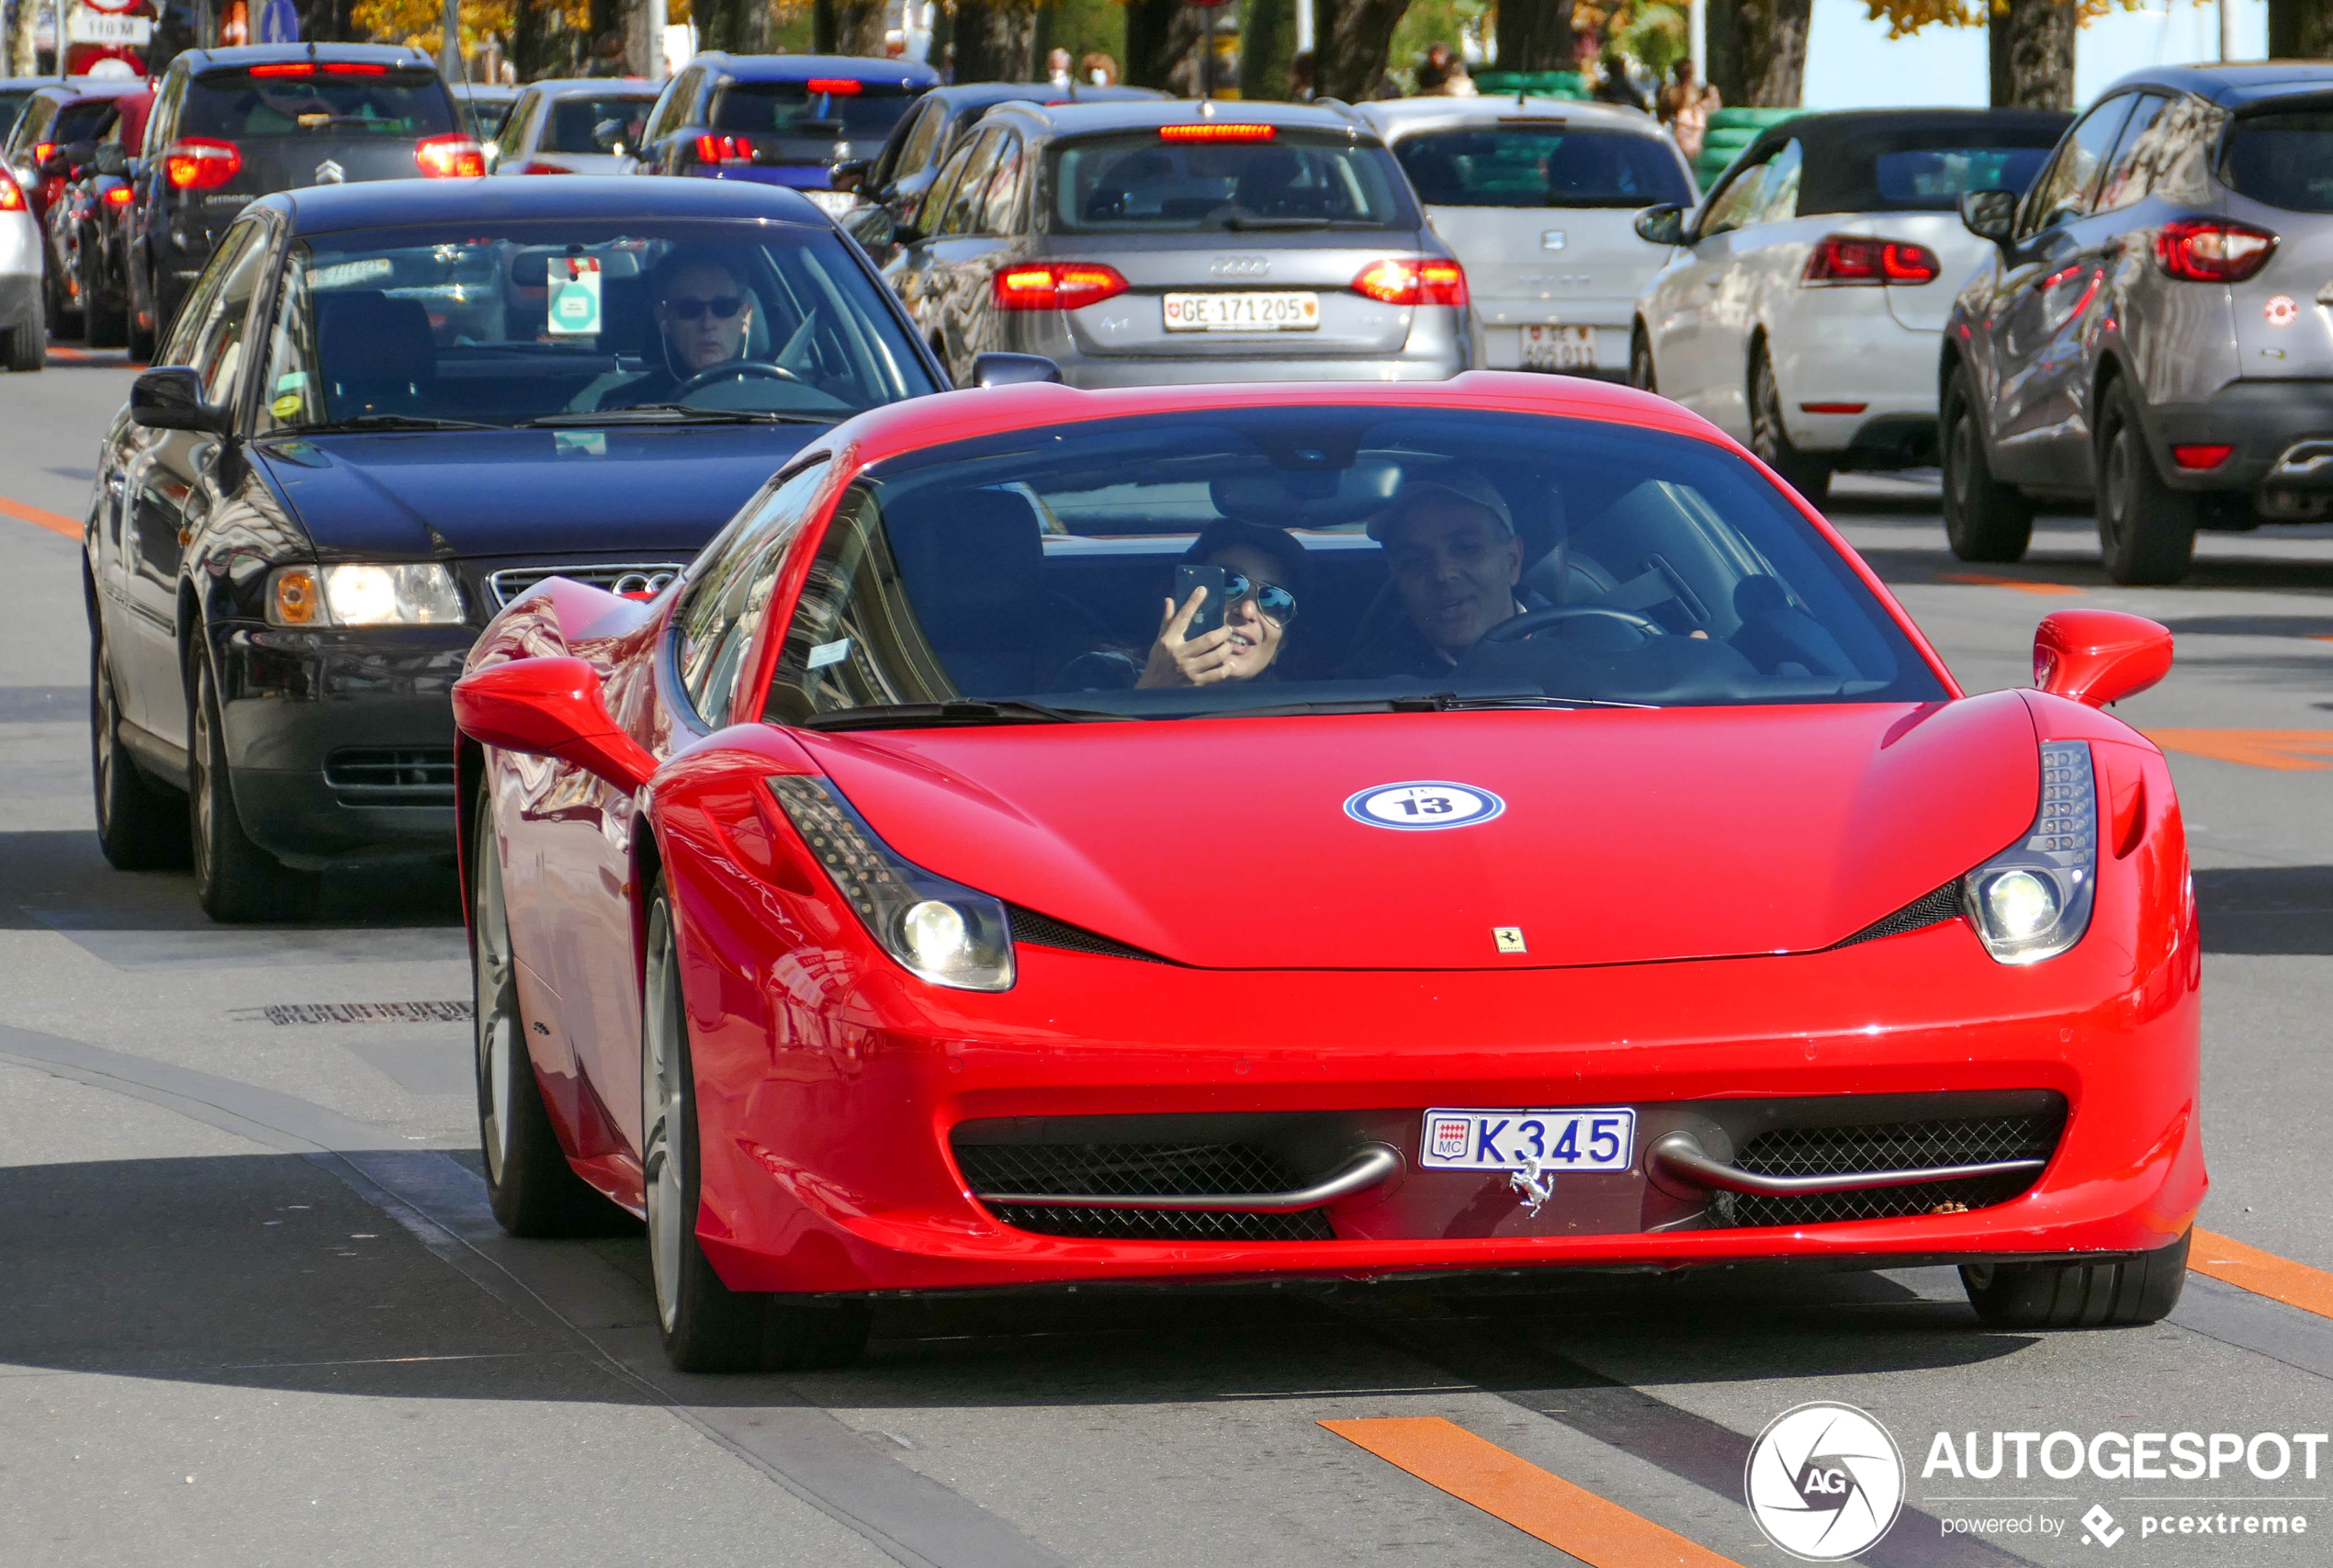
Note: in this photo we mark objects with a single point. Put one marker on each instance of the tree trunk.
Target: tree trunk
(2032, 53)
(1355, 37)
(1726, 71)
(530, 39)
(2300, 30)
(1163, 38)
(1535, 35)
(994, 39)
(1266, 46)
(1774, 52)
(23, 16)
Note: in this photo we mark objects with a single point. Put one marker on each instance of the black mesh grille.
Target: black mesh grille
(1169, 1224)
(1827, 1151)
(1927, 909)
(1044, 931)
(1146, 1169)
(410, 775)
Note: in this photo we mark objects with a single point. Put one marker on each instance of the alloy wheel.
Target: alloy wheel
(494, 990)
(2114, 487)
(201, 790)
(101, 738)
(664, 1106)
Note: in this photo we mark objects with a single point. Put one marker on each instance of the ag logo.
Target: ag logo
(1423, 807)
(1824, 1482)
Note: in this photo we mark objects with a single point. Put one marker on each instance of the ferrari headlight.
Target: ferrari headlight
(2032, 901)
(414, 593)
(938, 931)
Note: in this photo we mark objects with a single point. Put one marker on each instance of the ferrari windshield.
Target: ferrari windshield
(1325, 559)
(580, 322)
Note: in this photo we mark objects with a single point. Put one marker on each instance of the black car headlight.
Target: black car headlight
(938, 931)
(2032, 900)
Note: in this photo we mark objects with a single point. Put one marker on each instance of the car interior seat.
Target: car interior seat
(973, 561)
(378, 354)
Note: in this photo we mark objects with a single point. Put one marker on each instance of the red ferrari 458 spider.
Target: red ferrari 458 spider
(1207, 833)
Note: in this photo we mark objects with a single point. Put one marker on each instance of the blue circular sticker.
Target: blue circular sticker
(1423, 807)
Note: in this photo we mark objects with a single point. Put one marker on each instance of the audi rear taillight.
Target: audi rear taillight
(1413, 283)
(2212, 249)
(1055, 286)
(115, 195)
(1849, 260)
(449, 157)
(11, 192)
(724, 148)
(199, 163)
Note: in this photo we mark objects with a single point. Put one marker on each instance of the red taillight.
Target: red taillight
(722, 148)
(840, 86)
(536, 166)
(1412, 282)
(11, 194)
(115, 195)
(1055, 286)
(2212, 249)
(450, 157)
(2201, 457)
(41, 150)
(198, 162)
(1209, 130)
(353, 68)
(1857, 259)
(286, 68)
(1832, 408)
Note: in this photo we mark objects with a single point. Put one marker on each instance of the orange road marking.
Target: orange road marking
(2284, 750)
(2262, 1273)
(2021, 584)
(55, 521)
(1473, 1469)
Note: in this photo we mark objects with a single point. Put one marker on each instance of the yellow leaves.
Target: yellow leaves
(1905, 18)
(419, 23)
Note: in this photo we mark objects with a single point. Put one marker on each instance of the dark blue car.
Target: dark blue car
(786, 119)
(385, 410)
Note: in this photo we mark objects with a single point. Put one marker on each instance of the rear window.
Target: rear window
(237, 104)
(2285, 159)
(1136, 182)
(82, 122)
(1922, 169)
(790, 108)
(574, 122)
(1542, 165)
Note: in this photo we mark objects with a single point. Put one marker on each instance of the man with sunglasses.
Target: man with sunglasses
(1264, 571)
(703, 315)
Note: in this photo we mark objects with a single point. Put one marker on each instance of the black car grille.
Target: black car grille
(1927, 909)
(1044, 931)
(1905, 1146)
(1137, 1169)
(627, 577)
(408, 775)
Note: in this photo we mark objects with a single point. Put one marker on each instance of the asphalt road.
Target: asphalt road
(253, 1309)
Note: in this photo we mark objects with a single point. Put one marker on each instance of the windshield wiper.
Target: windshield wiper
(920, 716)
(678, 413)
(392, 422)
(1450, 702)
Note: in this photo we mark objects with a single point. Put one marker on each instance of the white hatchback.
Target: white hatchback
(1802, 308)
(1539, 197)
(578, 126)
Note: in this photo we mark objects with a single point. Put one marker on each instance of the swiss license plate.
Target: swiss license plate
(1558, 348)
(1279, 313)
(1598, 1138)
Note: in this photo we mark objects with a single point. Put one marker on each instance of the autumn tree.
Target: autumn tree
(844, 27)
(1534, 35)
(2031, 46)
(1267, 47)
(2300, 30)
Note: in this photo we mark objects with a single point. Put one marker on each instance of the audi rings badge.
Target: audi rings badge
(1240, 267)
(640, 585)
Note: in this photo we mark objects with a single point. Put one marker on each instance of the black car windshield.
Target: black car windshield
(83, 121)
(1543, 164)
(1357, 558)
(574, 123)
(578, 323)
(233, 104)
(2284, 157)
(1923, 168)
(1148, 182)
(790, 108)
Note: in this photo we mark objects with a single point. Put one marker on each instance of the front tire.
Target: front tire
(235, 880)
(102, 325)
(29, 340)
(1804, 471)
(1984, 519)
(141, 825)
(2146, 529)
(1641, 375)
(2079, 1295)
(706, 1327)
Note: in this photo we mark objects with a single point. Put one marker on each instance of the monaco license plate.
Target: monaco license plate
(1600, 1138)
(1278, 313)
(1558, 348)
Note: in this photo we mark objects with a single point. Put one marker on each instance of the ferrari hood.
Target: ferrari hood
(1601, 835)
(519, 492)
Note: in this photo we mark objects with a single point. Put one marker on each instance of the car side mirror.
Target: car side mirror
(1663, 225)
(1012, 369)
(551, 707)
(110, 158)
(850, 175)
(608, 136)
(2099, 656)
(1989, 214)
(170, 397)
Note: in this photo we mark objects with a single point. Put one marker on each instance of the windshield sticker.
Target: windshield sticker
(828, 653)
(345, 275)
(574, 296)
(1424, 806)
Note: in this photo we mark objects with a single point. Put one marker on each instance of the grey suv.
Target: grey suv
(2153, 331)
(1169, 242)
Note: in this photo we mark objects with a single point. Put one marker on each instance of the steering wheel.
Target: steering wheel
(1530, 621)
(734, 369)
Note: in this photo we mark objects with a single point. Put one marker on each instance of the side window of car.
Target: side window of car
(512, 136)
(943, 188)
(1002, 204)
(1734, 203)
(922, 142)
(964, 210)
(194, 313)
(217, 349)
(2130, 174)
(2189, 135)
(678, 99)
(2065, 192)
(164, 115)
(713, 628)
(1778, 198)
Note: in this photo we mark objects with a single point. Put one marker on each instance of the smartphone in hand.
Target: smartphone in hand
(1211, 609)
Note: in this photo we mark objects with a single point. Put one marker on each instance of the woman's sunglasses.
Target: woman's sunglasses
(1273, 602)
(689, 309)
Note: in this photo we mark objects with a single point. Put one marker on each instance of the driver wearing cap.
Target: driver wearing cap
(1455, 562)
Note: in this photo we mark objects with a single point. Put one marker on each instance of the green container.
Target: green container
(1730, 132)
(1537, 84)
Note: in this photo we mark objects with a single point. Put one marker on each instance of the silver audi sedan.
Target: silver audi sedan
(1135, 243)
